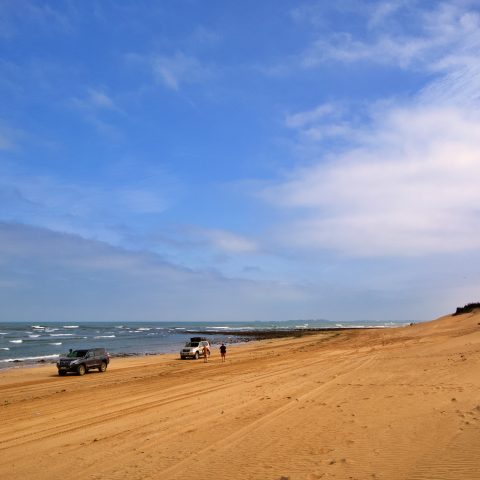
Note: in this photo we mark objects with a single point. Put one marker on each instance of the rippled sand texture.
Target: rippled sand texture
(370, 404)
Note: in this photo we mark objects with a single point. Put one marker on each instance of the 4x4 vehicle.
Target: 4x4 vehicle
(194, 348)
(81, 361)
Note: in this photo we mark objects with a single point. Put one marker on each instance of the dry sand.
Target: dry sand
(371, 404)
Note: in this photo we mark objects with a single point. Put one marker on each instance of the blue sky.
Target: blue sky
(220, 160)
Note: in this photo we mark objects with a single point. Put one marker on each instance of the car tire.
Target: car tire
(103, 367)
(81, 370)
(62, 373)
(196, 355)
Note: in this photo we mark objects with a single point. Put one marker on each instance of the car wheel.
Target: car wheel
(196, 355)
(62, 373)
(81, 370)
(102, 367)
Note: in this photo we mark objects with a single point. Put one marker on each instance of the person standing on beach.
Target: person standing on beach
(205, 353)
(223, 351)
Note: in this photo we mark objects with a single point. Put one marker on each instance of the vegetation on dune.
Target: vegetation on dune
(468, 308)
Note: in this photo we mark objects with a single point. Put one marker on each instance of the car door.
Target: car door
(90, 359)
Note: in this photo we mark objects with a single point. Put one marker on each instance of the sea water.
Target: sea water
(31, 343)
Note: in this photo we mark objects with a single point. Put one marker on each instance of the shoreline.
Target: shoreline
(240, 337)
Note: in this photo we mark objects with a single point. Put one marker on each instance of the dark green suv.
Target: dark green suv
(81, 361)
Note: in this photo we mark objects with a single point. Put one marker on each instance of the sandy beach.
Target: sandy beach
(386, 404)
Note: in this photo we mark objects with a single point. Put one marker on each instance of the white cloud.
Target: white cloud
(94, 107)
(218, 240)
(25, 13)
(99, 98)
(173, 70)
(229, 242)
(405, 181)
(411, 188)
(95, 99)
(383, 11)
(301, 119)
(432, 35)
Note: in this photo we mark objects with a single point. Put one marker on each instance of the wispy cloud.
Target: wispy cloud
(89, 210)
(215, 241)
(95, 99)
(17, 14)
(300, 119)
(98, 98)
(410, 189)
(400, 33)
(406, 185)
(324, 121)
(174, 70)
(227, 241)
(94, 106)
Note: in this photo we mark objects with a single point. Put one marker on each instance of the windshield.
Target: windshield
(191, 344)
(77, 353)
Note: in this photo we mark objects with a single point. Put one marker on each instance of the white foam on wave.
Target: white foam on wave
(31, 335)
(143, 329)
(55, 343)
(4, 348)
(16, 341)
(38, 327)
(3, 333)
(104, 336)
(229, 328)
(70, 326)
(25, 359)
(61, 334)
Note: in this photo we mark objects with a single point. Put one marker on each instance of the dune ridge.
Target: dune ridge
(386, 404)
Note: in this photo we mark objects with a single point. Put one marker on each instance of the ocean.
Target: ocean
(29, 343)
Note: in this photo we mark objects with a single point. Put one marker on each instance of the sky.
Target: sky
(216, 160)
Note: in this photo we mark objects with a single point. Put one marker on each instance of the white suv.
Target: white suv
(194, 348)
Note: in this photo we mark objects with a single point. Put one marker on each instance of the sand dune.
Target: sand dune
(372, 404)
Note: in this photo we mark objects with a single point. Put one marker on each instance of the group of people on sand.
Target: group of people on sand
(206, 352)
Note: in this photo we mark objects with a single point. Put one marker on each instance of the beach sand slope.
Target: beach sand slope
(384, 404)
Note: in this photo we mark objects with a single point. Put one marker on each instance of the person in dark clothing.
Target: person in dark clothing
(223, 351)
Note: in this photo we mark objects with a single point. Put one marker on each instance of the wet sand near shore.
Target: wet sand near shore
(386, 404)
